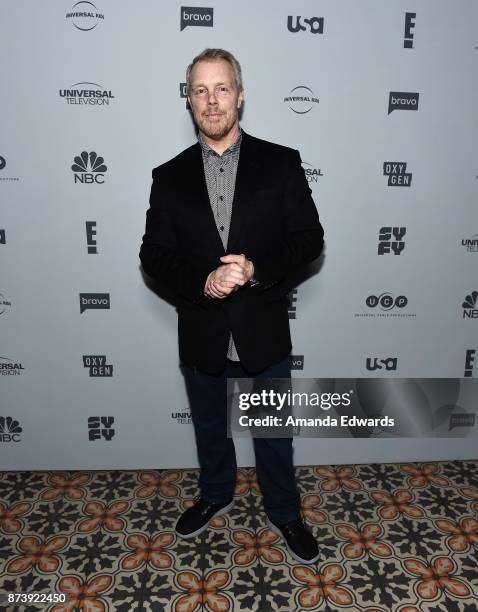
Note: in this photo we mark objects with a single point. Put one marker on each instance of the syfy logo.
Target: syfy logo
(316, 24)
(296, 362)
(94, 301)
(386, 245)
(89, 168)
(397, 177)
(10, 430)
(100, 427)
(389, 364)
(402, 100)
(469, 306)
(196, 16)
(409, 25)
(97, 366)
(469, 362)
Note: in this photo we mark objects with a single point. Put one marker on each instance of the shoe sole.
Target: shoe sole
(193, 534)
(276, 530)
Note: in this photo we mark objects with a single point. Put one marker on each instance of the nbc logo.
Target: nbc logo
(469, 306)
(10, 429)
(89, 168)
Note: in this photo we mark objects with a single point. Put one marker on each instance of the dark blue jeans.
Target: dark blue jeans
(217, 457)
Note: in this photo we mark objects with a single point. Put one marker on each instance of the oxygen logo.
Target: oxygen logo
(301, 100)
(89, 168)
(397, 175)
(196, 16)
(97, 366)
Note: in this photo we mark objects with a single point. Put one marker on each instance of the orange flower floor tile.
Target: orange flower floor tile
(392, 537)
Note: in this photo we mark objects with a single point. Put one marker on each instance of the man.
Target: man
(231, 219)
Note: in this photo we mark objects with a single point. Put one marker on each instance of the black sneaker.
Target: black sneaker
(299, 541)
(196, 519)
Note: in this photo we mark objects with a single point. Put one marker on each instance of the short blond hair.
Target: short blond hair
(216, 54)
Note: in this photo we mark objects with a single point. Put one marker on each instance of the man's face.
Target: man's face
(214, 98)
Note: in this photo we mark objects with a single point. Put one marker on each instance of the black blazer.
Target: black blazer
(274, 222)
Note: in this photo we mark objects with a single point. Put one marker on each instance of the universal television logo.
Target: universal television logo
(89, 168)
(86, 94)
(311, 174)
(8, 367)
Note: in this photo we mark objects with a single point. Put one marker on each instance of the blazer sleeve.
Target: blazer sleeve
(160, 255)
(303, 235)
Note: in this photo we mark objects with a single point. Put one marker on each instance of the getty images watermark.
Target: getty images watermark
(352, 408)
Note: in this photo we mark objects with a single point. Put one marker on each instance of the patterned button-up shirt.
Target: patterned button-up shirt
(220, 172)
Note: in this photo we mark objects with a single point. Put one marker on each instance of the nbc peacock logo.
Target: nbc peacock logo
(470, 310)
(10, 429)
(89, 168)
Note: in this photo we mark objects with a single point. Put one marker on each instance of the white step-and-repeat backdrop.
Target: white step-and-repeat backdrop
(381, 100)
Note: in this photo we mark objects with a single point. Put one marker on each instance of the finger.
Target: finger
(231, 258)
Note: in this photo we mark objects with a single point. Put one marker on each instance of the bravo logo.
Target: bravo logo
(89, 168)
(94, 301)
(402, 100)
(196, 16)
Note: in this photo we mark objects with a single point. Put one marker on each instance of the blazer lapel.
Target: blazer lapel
(197, 187)
(247, 179)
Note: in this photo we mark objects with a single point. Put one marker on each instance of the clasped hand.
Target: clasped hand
(227, 278)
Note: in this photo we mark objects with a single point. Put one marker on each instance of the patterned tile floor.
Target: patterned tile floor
(393, 537)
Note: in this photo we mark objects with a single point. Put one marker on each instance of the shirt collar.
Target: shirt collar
(206, 149)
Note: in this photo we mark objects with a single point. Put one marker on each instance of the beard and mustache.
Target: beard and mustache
(217, 128)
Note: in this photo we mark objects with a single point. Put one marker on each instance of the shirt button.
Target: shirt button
(221, 198)
(222, 228)
(221, 169)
